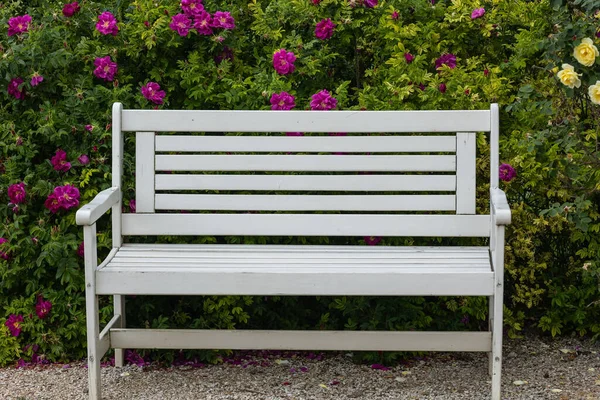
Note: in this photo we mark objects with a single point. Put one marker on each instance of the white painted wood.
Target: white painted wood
(104, 342)
(305, 202)
(301, 340)
(287, 252)
(92, 316)
(372, 280)
(117, 171)
(103, 201)
(500, 208)
(307, 225)
(381, 183)
(410, 163)
(144, 172)
(465, 172)
(305, 121)
(494, 145)
(498, 321)
(119, 310)
(307, 144)
(299, 250)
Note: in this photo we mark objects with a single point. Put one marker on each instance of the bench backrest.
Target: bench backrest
(378, 182)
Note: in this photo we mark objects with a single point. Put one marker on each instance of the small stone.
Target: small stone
(399, 379)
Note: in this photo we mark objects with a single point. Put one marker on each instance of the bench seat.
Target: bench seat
(170, 269)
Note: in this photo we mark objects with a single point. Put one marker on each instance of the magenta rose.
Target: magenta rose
(370, 3)
(105, 68)
(83, 159)
(478, 13)
(442, 87)
(181, 24)
(409, 58)
(107, 24)
(13, 323)
(446, 59)
(223, 19)
(283, 62)
(68, 196)
(282, 101)
(42, 308)
(192, 7)
(81, 250)
(152, 92)
(13, 88)
(323, 101)
(36, 79)
(324, 29)
(52, 203)
(132, 205)
(507, 172)
(70, 9)
(19, 24)
(59, 161)
(17, 193)
(372, 240)
(203, 23)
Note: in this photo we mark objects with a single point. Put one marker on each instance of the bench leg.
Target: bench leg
(496, 356)
(119, 307)
(92, 313)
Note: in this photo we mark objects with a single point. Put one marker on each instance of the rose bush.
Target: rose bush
(63, 65)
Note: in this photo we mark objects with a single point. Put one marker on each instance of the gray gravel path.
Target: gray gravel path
(534, 369)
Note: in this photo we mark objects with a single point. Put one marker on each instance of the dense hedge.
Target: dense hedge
(63, 65)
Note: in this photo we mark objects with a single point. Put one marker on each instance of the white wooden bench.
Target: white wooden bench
(433, 165)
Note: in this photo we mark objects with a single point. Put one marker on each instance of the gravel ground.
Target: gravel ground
(533, 369)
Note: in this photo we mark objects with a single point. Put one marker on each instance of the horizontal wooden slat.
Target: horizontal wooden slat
(305, 121)
(409, 163)
(307, 182)
(305, 202)
(274, 249)
(300, 340)
(306, 224)
(416, 254)
(293, 280)
(315, 144)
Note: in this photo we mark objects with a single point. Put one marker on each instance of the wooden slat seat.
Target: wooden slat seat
(296, 270)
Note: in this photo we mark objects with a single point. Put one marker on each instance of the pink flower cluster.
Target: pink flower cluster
(59, 161)
(13, 88)
(105, 68)
(283, 62)
(196, 17)
(3, 254)
(324, 29)
(13, 323)
(70, 9)
(19, 24)
(17, 193)
(282, 101)
(107, 24)
(63, 197)
(323, 101)
(152, 92)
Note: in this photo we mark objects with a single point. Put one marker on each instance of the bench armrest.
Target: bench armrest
(500, 208)
(89, 214)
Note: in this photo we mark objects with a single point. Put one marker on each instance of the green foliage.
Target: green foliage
(549, 134)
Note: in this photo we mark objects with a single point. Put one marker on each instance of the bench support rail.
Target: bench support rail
(300, 340)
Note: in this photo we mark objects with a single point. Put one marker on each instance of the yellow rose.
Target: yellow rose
(594, 92)
(586, 52)
(569, 77)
